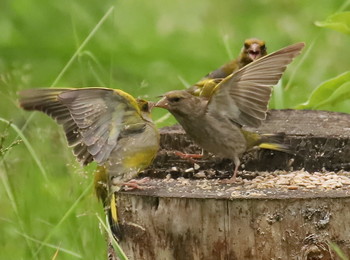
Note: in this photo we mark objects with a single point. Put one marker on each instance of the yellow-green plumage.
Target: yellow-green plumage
(101, 184)
(252, 50)
(103, 125)
(140, 159)
(108, 200)
(264, 141)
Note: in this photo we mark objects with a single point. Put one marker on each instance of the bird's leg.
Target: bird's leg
(132, 186)
(233, 178)
(135, 184)
(188, 155)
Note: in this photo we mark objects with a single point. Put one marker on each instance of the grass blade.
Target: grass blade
(59, 248)
(9, 192)
(118, 249)
(29, 147)
(65, 216)
(76, 54)
(81, 47)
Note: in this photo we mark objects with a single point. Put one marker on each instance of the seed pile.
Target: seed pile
(278, 180)
(299, 180)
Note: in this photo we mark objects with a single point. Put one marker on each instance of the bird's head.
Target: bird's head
(253, 49)
(144, 105)
(179, 102)
(145, 108)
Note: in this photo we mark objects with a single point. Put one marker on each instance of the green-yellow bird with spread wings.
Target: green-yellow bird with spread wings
(104, 125)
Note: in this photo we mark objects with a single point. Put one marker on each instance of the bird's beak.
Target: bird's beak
(254, 51)
(151, 105)
(163, 103)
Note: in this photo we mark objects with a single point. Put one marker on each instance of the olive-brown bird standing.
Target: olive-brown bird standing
(241, 99)
(252, 50)
(104, 125)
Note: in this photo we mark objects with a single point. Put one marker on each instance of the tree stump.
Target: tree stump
(283, 206)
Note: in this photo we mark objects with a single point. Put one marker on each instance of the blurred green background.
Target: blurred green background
(145, 48)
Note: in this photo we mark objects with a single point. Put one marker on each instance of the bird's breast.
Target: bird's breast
(216, 135)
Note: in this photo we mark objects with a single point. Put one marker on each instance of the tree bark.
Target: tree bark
(193, 217)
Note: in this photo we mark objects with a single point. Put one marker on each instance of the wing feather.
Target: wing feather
(93, 118)
(101, 115)
(46, 100)
(244, 95)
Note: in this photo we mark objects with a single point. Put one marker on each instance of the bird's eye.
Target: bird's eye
(145, 107)
(246, 45)
(174, 99)
(263, 47)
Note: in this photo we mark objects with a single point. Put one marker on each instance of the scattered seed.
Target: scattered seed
(189, 170)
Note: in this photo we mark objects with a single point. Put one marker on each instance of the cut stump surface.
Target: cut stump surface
(284, 206)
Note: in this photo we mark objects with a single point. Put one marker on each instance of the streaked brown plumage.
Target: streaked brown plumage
(252, 50)
(241, 99)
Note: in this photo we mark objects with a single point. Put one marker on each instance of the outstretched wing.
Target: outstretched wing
(46, 100)
(243, 96)
(93, 118)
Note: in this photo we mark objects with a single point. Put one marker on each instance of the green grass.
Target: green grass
(48, 209)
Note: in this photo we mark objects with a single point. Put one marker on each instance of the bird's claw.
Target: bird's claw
(188, 156)
(229, 181)
(135, 184)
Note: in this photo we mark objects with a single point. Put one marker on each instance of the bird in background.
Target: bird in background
(252, 50)
(104, 125)
(241, 99)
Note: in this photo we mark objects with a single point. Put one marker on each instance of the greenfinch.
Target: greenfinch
(241, 99)
(252, 50)
(104, 125)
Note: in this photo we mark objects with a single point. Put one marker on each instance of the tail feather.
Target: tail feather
(275, 146)
(113, 219)
(274, 142)
(108, 200)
